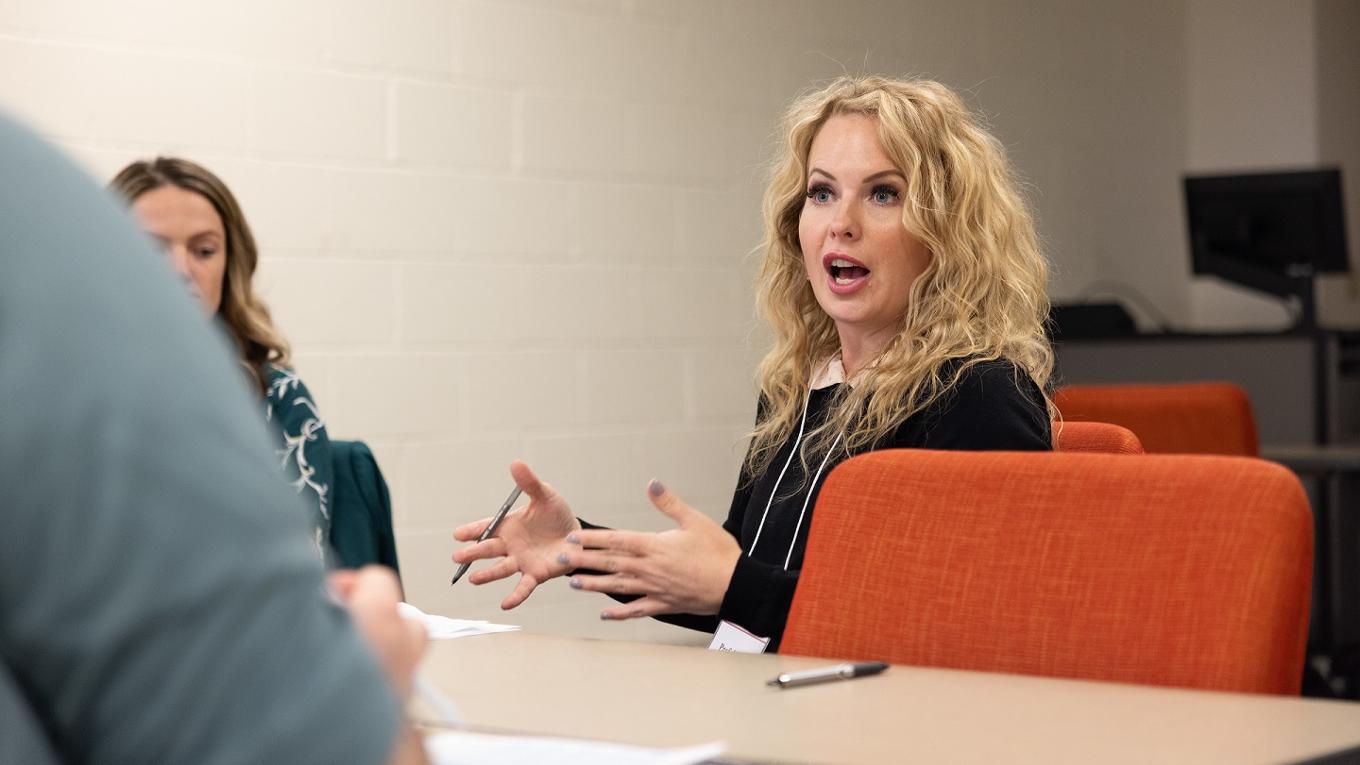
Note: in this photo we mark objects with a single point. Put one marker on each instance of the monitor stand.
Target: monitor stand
(1296, 286)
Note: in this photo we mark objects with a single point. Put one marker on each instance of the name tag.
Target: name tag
(731, 637)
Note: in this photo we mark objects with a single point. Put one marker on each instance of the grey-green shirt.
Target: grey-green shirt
(158, 600)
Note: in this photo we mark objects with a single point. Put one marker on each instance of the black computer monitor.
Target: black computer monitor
(1268, 231)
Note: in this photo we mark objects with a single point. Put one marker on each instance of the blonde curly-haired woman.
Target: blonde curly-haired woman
(905, 288)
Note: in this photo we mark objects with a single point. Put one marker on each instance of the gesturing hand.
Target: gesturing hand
(684, 570)
(530, 539)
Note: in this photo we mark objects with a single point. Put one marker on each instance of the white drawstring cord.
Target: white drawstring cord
(807, 499)
(787, 462)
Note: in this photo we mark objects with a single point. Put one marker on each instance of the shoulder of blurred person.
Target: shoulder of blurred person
(156, 602)
(22, 738)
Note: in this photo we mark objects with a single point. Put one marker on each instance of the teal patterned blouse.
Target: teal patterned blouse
(304, 449)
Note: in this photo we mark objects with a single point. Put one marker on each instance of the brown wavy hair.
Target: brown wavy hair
(247, 318)
(981, 298)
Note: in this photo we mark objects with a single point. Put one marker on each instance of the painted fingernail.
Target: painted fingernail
(572, 538)
(562, 558)
(604, 616)
(575, 583)
(655, 488)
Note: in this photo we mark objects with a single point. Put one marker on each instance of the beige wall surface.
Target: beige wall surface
(1272, 86)
(520, 229)
(1338, 83)
(1253, 107)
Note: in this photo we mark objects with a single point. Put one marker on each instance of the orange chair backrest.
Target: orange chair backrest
(1169, 418)
(1096, 437)
(1189, 571)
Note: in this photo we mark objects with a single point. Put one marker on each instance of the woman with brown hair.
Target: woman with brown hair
(904, 287)
(194, 218)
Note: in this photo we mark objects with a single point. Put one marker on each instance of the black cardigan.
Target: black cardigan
(994, 406)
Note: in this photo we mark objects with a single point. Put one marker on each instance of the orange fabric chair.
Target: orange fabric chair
(1097, 437)
(1171, 418)
(1189, 571)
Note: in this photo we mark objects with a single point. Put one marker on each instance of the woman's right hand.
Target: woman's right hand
(530, 539)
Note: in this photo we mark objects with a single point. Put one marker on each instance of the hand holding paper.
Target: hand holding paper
(372, 596)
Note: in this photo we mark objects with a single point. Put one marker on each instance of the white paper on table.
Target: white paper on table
(463, 748)
(444, 628)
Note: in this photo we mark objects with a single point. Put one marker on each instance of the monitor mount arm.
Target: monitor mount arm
(1297, 284)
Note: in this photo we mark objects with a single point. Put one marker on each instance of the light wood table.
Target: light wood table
(662, 695)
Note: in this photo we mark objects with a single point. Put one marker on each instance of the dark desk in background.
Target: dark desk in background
(1305, 394)
(1335, 626)
(1304, 386)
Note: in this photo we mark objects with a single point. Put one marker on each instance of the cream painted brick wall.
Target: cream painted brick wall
(723, 225)
(591, 136)
(356, 306)
(445, 215)
(284, 203)
(392, 396)
(318, 115)
(523, 392)
(441, 124)
(639, 388)
(699, 464)
(398, 34)
(638, 223)
(244, 29)
(464, 304)
(443, 497)
(693, 304)
(723, 384)
(587, 303)
(552, 48)
(686, 143)
(499, 229)
(104, 95)
(595, 471)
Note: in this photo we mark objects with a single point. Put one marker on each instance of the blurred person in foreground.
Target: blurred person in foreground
(158, 602)
(904, 286)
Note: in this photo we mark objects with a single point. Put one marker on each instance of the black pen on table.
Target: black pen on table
(825, 674)
(488, 532)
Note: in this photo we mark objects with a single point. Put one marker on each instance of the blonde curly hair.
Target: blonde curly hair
(981, 297)
(244, 313)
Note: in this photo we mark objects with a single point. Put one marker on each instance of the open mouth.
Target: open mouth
(844, 272)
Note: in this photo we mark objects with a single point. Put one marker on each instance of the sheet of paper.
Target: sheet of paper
(462, 748)
(444, 628)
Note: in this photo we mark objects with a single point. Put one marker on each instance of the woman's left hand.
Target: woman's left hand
(684, 570)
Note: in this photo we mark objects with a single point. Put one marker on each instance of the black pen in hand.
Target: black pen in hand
(824, 674)
(488, 532)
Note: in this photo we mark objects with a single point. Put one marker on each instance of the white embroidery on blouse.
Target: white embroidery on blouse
(293, 454)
